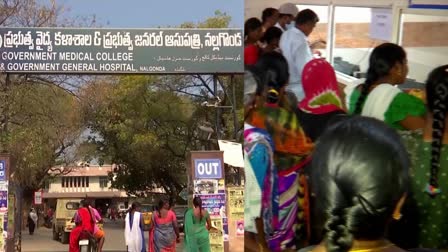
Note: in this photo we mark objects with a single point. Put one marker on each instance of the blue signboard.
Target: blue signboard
(2, 170)
(428, 4)
(208, 168)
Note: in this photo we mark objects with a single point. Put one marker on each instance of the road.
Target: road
(42, 240)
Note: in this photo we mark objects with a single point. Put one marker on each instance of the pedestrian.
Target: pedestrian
(164, 232)
(197, 227)
(133, 232)
(32, 221)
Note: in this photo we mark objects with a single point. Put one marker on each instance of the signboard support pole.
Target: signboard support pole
(235, 118)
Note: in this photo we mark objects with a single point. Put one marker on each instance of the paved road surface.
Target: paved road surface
(42, 240)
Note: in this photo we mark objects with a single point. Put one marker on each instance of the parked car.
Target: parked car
(62, 221)
(180, 215)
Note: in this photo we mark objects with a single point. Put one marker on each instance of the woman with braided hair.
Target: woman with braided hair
(197, 228)
(359, 174)
(379, 98)
(429, 151)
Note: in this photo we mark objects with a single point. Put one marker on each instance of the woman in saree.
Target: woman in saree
(85, 222)
(379, 98)
(276, 150)
(164, 232)
(197, 227)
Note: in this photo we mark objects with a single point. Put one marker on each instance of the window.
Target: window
(63, 182)
(72, 205)
(87, 181)
(354, 40)
(103, 182)
(423, 36)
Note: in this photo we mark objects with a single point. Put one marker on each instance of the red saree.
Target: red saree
(87, 224)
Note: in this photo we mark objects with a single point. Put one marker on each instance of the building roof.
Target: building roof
(60, 195)
(80, 195)
(88, 171)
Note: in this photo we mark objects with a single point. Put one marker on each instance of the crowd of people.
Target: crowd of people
(164, 232)
(331, 167)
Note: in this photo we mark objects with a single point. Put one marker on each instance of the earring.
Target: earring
(397, 216)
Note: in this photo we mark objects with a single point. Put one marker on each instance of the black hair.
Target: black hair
(306, 16)
(85, 203)
(197, 202)
(359, 173)
(282, 15)
(162, 202)
(437, 99)
(135, 205)
(273, 68)
(381, 61)
(271, 34)
(267, 13)
(251, 25)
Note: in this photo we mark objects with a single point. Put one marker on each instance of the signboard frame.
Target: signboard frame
(36, 201)
(189, 50)
(413, 5)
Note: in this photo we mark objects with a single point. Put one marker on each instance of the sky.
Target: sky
(153, 13)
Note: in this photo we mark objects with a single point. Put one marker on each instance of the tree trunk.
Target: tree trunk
(26, 206)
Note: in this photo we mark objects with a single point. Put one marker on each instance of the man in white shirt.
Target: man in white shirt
(288, 12)
(295, 47)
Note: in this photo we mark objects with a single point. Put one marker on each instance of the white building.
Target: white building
(89, 182)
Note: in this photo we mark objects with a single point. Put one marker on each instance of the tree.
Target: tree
(38, 114)
(144, 129)
(148, 124)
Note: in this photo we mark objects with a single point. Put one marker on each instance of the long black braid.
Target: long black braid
(437, 96)
(381, 61)
(197, 202)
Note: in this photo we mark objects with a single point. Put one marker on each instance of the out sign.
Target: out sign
(207, 168)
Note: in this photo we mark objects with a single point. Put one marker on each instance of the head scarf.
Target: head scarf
(321, 88)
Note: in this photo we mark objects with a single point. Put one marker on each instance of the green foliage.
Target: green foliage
(145, 129)
(44, 122)
(220, 20)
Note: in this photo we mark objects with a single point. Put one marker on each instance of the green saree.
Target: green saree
(196, 234)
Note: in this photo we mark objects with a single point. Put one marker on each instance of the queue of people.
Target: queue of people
(330, 167)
